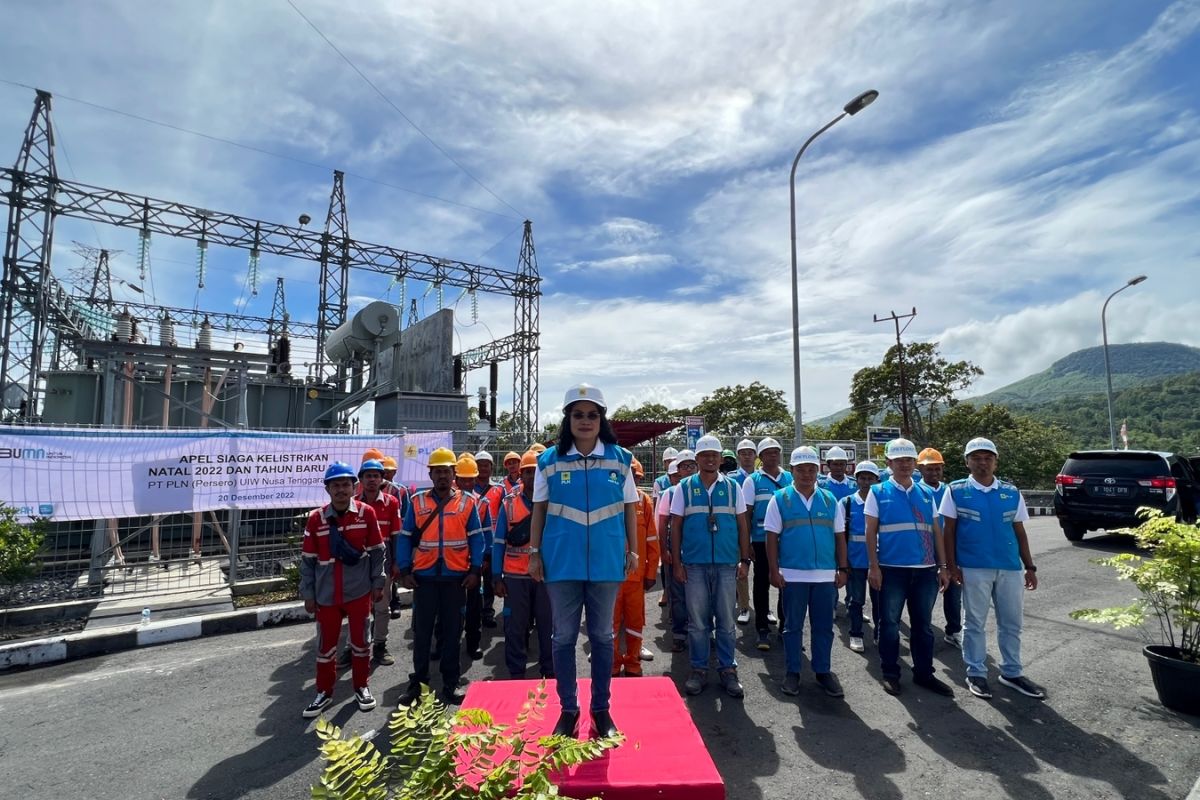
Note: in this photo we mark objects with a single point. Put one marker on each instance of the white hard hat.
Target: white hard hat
(584, 391)
(900, 448)
(836, 454)
(673, 468)
(708, 444)
(867, 466)
(484, 455)
(684, 455)
(767, 444)
(980, 443)
(804, 455)
(670, 453)
(746, 444)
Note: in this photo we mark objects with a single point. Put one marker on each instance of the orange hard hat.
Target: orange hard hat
(538, 447)
(372, 454)
(637, 468)
(929, 456)
(529, 460)
(510, 456)
(389, 463)
(466, 467)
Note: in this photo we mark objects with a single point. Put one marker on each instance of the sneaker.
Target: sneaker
(772, 619)
(695, 683)
(321, 702)
(731, 684)
(934, 685)
(381, 655)
(764, 643)
(646, 655)
(857, 645)
(891, 685)
(829, 682)
(1024, 686)
(743, 616)
(365, 700)
(476, 653)
(791, 684)
(979, 687)
(953, 639)
(196, 556)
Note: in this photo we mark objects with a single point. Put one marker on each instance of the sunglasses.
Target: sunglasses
(592, 415)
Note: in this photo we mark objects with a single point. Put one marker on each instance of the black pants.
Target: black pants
(478, 608)
(762, 586)
(437, 602)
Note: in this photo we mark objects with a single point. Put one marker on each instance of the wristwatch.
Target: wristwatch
(747, 561)
(533, 550)
(1031, 568)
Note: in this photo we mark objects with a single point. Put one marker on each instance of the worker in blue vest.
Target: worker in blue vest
(989, 554)
(757, 491)
(932, 467)
(907, 566)
(583, 544)
(837, 482)
(866, 474)
(662, 482)
(746, 455)
(683, 466)
(808, 566)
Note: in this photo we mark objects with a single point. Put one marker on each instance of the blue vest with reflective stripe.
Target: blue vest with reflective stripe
(840, 491)
(765, 488)
(661, 484)
(807, 538)
(938, 494)
(739, 475)
(905, 525)
(700, 544)
(584, 536)
(984, 537)
(856, 548)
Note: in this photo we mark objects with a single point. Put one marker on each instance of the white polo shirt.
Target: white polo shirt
(678, 507)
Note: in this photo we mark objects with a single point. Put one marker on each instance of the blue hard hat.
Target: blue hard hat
(340, 469)
(369, 464)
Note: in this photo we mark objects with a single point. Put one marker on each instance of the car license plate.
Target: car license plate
(1113, 491)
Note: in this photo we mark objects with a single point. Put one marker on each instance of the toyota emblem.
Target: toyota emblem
(1110, 480)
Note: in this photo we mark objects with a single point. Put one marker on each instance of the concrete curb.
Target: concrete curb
(126, 637)
(1040, 511)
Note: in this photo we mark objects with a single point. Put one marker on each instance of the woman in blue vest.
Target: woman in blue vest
(583, 542)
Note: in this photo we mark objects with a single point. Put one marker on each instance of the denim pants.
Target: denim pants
(1004, 588)
(856, 598)
(815, 599)
(567, 602)
(711, 592)
(916, 588)
(952, 600)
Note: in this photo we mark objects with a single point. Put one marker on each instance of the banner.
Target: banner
(695, 429)
(877, 439)
(84, 473)
(850, 448)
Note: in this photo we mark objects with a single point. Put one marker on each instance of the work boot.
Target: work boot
(731, 684)
(381, 655)
(602, 724)
(695, 682)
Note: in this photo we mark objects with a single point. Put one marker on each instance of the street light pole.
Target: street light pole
(850, 109)
(1112, 428)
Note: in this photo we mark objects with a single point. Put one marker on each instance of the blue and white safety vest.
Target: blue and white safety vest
(854, 507)
(661, 484)
(938, 494)
(839, 489)
(584, 535)
(906, 521)
(765, 488)
(807, 537)
(984, 536)
(710, 522)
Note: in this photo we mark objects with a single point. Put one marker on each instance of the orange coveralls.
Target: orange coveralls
(630, 611)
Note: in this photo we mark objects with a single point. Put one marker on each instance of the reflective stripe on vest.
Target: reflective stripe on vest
(447, 539)
(807, 540)
(905, 525)
(984, 536)
(516, 559)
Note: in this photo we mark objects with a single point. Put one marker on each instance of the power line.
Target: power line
(263, 151)
(396, 108)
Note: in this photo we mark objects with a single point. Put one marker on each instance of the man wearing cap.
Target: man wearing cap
(931, 466)
(663, 481)
(711, 550)
(907, 566)
(837, 482)
(682, 467)
(524, 598)
(490, 494)
(729, 464)
(808, 566)
(866, 474)
(757, 491)
(439, 555)
(341, 574)
(629, 616)
(989, 553)
(466, 470)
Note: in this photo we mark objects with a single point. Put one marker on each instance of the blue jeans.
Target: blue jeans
(567, 602)
(1004, 588)
(952, 600)
(711, 591)
(856, 598)
(916, 588)
(817, 600)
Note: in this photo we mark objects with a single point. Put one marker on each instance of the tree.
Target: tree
(852, 427)
(651, 412)
(1031, 452)
(19, 545)
(754, 410)
(932, 382)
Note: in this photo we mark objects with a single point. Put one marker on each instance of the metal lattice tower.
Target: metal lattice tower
(335, 274)
(279, 315)
(101, 293)
(525, 365)
(413, 317)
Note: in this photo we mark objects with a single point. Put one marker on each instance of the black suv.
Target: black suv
(1105, 488)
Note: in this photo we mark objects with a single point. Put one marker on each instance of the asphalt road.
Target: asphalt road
(219, 717)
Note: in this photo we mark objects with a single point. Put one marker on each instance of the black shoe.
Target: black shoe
(381, 655)
(829, 682)
(791, 684)
(979, 687)
(603, 725)
(475, 652)
(364, 698)
(489, 622)
(321, 702)
(1024, 686)
(731, 684)
(891, 685)
(567, 725)
(411, 694)
(453, 695)
(934, 685)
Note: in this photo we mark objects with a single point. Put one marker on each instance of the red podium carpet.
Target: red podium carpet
(663, 756)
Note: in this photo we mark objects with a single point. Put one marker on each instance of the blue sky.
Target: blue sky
(1023, 160)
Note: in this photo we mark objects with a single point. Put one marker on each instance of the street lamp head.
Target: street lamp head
(1137, 280)
(859, 103)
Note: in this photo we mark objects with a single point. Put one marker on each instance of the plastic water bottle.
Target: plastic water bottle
(145, 616)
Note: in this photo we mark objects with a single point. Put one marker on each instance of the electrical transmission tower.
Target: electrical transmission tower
(525, 365)
(335, 274)
(279, 315)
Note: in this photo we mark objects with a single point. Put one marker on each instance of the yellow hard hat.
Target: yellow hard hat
(466, 467)
(529, 460)
(538, 447)
(441, 457)
(929, 456)
(389, 463)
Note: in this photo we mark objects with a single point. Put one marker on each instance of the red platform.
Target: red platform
(663, 756)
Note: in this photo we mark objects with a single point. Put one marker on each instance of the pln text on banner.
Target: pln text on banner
(81, 473)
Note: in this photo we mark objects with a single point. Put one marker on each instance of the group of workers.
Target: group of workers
(566, 530)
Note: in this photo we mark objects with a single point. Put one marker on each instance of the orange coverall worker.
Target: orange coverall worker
(630, 611)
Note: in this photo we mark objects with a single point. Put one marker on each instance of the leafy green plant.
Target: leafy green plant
(19, 545)
(1169, 580)
(291, 577)
(468, 755)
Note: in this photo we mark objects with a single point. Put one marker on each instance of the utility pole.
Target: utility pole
(894, 317)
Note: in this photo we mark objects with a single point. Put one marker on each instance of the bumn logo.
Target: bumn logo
(30, 453)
